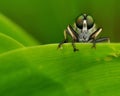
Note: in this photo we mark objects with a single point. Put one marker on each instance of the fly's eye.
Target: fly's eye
(79, 22)
(90, 22)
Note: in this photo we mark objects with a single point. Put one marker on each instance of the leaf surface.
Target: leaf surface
(11, 29)
(7, 43)
(46, 71)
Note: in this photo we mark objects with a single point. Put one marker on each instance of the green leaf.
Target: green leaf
(46, 71)
(7, 43)
(9, 28)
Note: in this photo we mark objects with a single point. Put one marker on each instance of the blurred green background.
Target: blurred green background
(45, 20)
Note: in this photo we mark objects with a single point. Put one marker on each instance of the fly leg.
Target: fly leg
(74, 47)
(94, 40)
(70, 31)
(74, 36)
(102, 40)
(65, 40)
(94, 44)
(94, 36)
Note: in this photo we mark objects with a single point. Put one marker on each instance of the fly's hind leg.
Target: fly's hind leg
(104, 39)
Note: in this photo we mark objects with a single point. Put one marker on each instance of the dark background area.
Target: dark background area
(45, 20)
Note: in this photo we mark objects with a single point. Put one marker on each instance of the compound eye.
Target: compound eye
(79, 22)
(90, 22)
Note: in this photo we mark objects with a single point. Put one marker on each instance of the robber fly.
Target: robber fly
(84, 30)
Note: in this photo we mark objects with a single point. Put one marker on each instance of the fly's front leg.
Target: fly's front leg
(93, 37)
(74, 47)
(65, 40)
(70, 31)
(74, 36)
(94, 44)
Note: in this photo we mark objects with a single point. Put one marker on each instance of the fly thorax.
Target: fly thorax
(84, 36)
